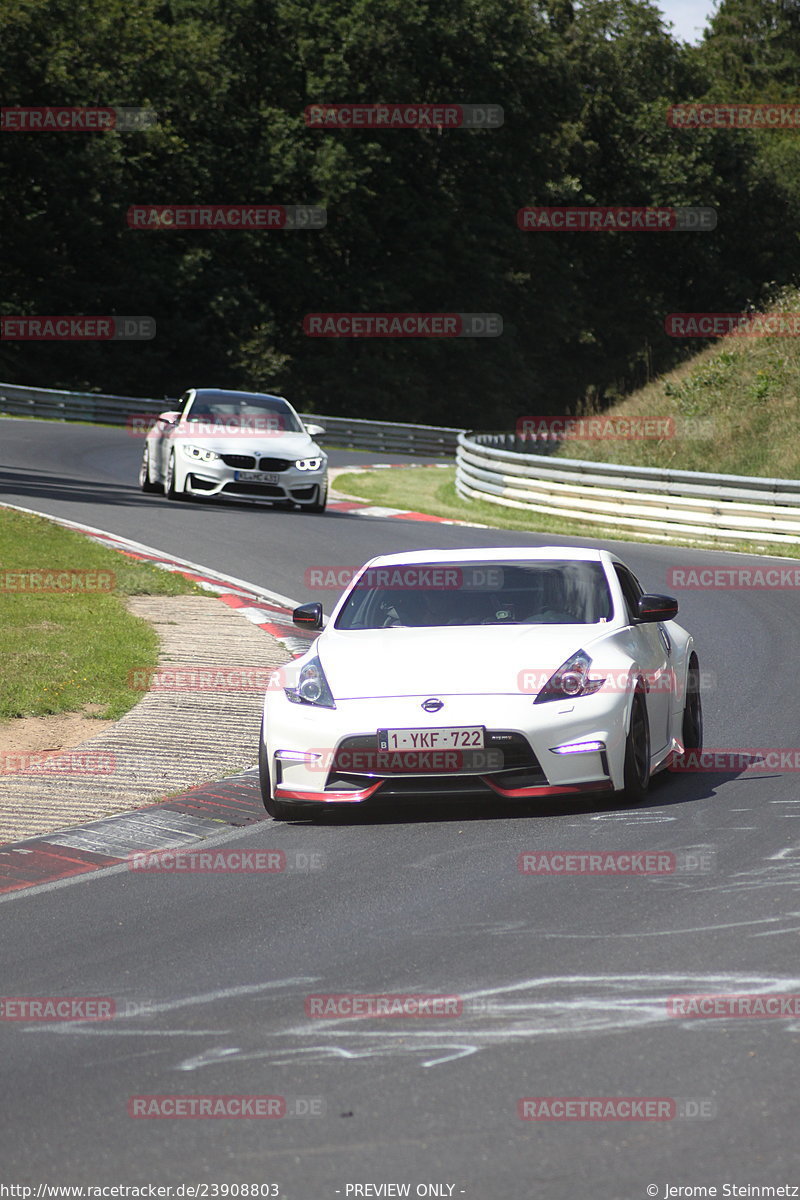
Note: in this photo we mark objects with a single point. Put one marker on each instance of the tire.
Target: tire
(145, 482)
(170, 491)
(637, 751)
(692, 730)
(281, 810)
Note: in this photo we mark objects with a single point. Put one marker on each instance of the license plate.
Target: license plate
(254, 477)
(471, 737)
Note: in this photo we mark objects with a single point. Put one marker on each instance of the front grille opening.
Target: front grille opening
(274, 464)
(518, 765)
(245, 462)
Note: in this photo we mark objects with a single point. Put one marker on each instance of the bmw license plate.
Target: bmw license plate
(470, 737)
(254, 477)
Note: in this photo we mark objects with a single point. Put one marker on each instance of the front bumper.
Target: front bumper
(213, 479)
(331, 756)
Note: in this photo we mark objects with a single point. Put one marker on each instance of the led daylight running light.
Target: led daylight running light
(579, 748)
(308, 464)
(199, 452)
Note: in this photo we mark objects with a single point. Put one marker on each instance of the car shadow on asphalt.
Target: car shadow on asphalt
(667, 789)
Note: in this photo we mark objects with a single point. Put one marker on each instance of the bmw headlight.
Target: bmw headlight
(570, 680)
(312, 687)
(309, 464)
(199, 453)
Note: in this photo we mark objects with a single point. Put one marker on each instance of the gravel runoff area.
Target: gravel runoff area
(199, 725)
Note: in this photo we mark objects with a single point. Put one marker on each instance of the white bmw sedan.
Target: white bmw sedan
(514, 673)
(242, 445)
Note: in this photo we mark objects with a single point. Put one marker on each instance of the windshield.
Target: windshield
(260, 413)
(504, 593)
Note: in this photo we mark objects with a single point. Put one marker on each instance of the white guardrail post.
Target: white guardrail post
(664, 503)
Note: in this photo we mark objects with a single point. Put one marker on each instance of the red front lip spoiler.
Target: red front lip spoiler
(282, 793)
(548, 789)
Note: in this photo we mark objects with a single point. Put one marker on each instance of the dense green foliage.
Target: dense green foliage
(418, 221)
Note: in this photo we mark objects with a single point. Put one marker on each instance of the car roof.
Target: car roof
(494, 554)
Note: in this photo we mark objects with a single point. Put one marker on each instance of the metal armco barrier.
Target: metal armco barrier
(501, 468)
(121, 410)
(664, 503)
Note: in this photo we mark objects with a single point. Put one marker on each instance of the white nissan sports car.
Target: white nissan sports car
(514, 673)
(242, 445)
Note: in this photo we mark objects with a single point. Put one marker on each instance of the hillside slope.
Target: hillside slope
(735, 409)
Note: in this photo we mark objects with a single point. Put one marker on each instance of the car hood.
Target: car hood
(271, 445)
(449, 661)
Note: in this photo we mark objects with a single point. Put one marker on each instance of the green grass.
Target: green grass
(432, 490)
(63, 651)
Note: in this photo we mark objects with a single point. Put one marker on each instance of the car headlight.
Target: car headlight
(309, 464)
(199, 452)
(312, 687)
(570, 680)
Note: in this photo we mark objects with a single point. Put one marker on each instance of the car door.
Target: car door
(651, 645)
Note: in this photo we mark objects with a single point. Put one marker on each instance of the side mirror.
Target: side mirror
(315, 430)
(169, 418)
(308, 616)
(653, 607)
